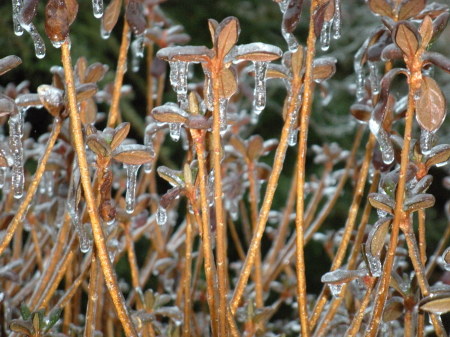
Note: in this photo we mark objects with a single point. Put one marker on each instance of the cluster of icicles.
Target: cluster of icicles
(39, 46)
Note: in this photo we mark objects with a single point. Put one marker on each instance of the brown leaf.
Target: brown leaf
(85, 91)
(340, 276)
(393, 309)
(438, 154)
(185, 54)
(406, 38)
(212, 26)
(324, 68)
(377, 236)
(95, 72)
(98, 145)
(227, 34)
(120, 133)
(7, 106)
(426, 31)
(258, 51)
(52, 99)
(227, 83)
(72, 10)
(198, 122)
(88, 111)
(56, 20)
(438, 60)
(9, 62)
(28, 11)
(431, 105)
(418, 202)
(133, 154)
(80, 68)
(439, 24)
(361, 112)
(238, 145)
(135, 17)
(173, 177)
(410, 9)
(276, 71)
(291, 16)
(436, 304)
(255, 147)
(319, 17)
(169, 114)
(111, 15)
(382, 202)
(380, 7)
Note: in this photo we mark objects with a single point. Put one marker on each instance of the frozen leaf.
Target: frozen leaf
(406, 38)
(342, 276)
(227, 83)
(393, 309)
(257, 51)
(324, 68)
(382, 202)
(212, 26)
(436, 304)
(423, 185)
(98, 145)
(255, 147)
(7, 106)
(52, 99)
(135, 17)
(276, 71)
(185, 54)
(85, 91)
(132, 154)
(9, 62)
(410, 8)
(431, 105)
(21, 326)
(173, 177)
(28, 11)
(56, 21)
(377, 236)
(380, 7)
(426, 31)
(361, 112)
(226, 36)
(446, 259)
(418, 202)
(198, 122)
(169, 113)
(27, 100)
(95, 72)
(438, 60)
(439, 25)
(438, 154)
(111, 15)
(120, 133)
(291, 15)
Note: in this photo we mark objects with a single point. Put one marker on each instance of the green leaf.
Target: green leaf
(25, 312)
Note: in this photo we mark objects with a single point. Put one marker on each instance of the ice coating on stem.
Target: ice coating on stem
(359, 71)
(39, 45)
(148, 142)
(325, 35)
(259, 95)
(161, 216)
(209, 100)
(130, 195)
(335, 288)
(374, 78)
(337, 22)
(16, 147)
(427, 139)
(137, 51)
(223, 104)
(2, 176)
(16, 7)
(175, 131)
(97, 8)
(290, 40)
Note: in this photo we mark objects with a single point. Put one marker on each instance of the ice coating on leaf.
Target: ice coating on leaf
(175, 131)
(374, 264)
(16, 8)
(259, 95)
(223, 104)
(130, 195)
(374, 78)
(335, 289)
(161, 216)
(290, 40)
(2, 176)
(337, 22)
(427, 140)
(39, 45)
(137, 52)
(446, 259)
(97, 8)
(16, 147)
(325, 35)
(387, 150)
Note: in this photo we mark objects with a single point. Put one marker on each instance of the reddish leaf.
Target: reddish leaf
(134, 154)
(406, 38)
(28, 12)
(9, 62)
(120, 133)
(291, 16)
(226, 36)
(410, 9)
(431, 105)
(135, 17)
(111, 15)
(380, 7)
(56, 20)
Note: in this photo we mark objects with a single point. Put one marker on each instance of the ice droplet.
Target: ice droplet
(161, 216)
(335, 288)
(2, 176)
(292, 136)
(387, 150)
(290, 40)
(15, 145)
(374, 78)
(137, 52)
(337, 22)
(325, 36)
(259, 95)
(130, 195)
(427, 140)
(175, 131)
(39, 45)
(105, 34)
(223, 104)
(359, 71)
(16, 8)
(97, 8)
(85, 243)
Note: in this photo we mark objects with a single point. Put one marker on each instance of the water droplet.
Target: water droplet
(325, 36)
(223, 104)
(97, 8)
(15, 145)
(374, 78)
(39, 45)
(427, 140)
(175, 131)
(335, 289)
(137, 52)
(16, 8)
(259, 95)
(161, 216)
(130, 195)
(337, 22)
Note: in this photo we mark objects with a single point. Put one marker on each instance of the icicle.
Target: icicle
(39, 45)
(283, 5)
(293, 129)
(175, 131)
(292, 136)
(182, 75)
(148, 142)
(112, 246)
(161, 216)
(85, 243)
(259, 95)
(427, 140)
(374, 78)
(209, 100)
(337, 19)
(325, 36)
(335, 288)
(359, 70)
(130, 196)
(387, 150)
(173, 73)
(15, 144)
(137, 51)
(2, 176)
(182, 100)
(223, 103)
(97, 8)
(290, 40)
(105, 34)
(16, 8)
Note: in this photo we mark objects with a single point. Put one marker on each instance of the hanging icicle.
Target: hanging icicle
(161, 216)
(259, 95)
(16, 147)
(130, 195)
(97, 8)
(137, 52)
